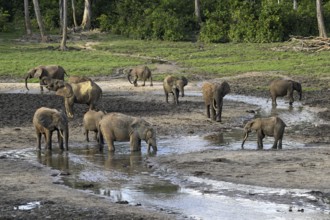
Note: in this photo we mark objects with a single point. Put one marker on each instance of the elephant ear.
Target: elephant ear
(39, 72)
(65, 91)
(46, 119)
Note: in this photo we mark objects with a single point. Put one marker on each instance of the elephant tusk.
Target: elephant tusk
(61, 134)
(245, 137)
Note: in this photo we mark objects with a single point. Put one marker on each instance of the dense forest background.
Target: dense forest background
(177, 20)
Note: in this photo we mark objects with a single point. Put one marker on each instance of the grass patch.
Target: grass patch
(113, 52)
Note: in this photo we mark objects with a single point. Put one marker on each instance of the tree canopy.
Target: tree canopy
(176, 20)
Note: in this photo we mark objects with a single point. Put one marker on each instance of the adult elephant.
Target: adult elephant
(139, 73)
(174, 85)
(51, 71)
(213, 94)
(87, 92)
(282, 87)
(121, 127)
(48, 120)
(273, 127)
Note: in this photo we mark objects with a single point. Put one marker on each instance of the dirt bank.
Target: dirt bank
(23, 182)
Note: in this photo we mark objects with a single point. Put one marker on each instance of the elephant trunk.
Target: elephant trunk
(217, 110)
(26, 78)
(300, 95)
(129, 78)
(245, 137)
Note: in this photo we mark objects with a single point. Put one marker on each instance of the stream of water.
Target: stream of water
(124, 176)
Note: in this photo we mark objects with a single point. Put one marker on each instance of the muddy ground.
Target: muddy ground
(23, 182)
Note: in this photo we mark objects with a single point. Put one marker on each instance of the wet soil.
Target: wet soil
(23, 182)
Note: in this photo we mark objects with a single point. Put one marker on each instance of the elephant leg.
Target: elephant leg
(207, 111)
(166, 97)
(275, 144)
(144, 82)
(86, 135)
(134, 142)
(279, 146)
(290, 95)
(109, 140)
(176, 96)
(39, 140)
(48, 137)
(260, 137)
(135, 82)
(151, 84)
(213, 114)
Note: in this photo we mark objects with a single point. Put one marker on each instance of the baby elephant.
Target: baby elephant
(283, 87)
(90, 122)
(273, 127)
(139, 73)
(174, 85)
(48, 120)
(121, 127)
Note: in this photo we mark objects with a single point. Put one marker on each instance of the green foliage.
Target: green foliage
(4, 15)
(104, 22)
(222, 21)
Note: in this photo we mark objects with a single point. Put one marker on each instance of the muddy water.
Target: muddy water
(126, 178)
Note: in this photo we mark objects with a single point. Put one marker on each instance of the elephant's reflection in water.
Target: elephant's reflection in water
(58, 160)
(123, 162)
(216, 138)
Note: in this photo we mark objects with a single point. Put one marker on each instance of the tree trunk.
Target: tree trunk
(27, 17)
(86, 22)
(60, 5)
(74, 13)
(295, 5)
(65, 25)
(320, 20)
(39, 20)
(198, 11)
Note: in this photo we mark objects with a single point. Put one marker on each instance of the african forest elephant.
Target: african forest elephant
(91, 121)
(51, 71)
(273, 127)
(174, 85)
(121, 127)
(213, 94)
(282, 87)
(87, 92)
(141, 73)
(46, 121)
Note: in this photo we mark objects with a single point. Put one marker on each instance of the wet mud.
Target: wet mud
(198, 172)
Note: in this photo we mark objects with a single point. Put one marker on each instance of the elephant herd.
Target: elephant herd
(120, 127)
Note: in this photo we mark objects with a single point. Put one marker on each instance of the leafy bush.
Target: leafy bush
(4, 15)
(104, 22)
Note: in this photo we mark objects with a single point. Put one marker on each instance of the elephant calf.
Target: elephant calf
(213, 94)
(46, 121)
(174, 85)
(282, 87)
(141, 73)
(91, 121)
(121, 127)
(273, 127)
